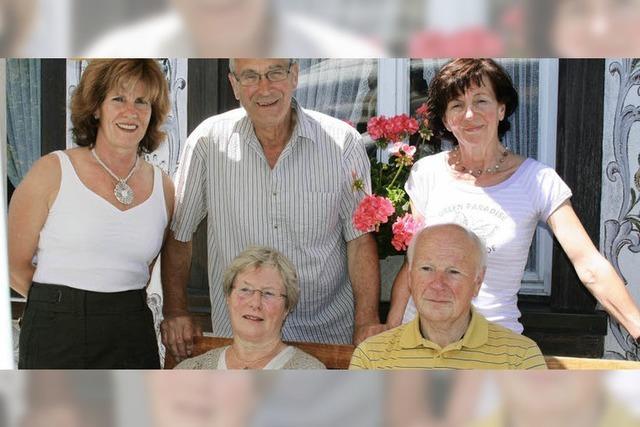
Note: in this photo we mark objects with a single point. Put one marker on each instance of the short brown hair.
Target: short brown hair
(102, 75)
(456, 77)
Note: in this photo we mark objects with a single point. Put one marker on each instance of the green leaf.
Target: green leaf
(397, 196)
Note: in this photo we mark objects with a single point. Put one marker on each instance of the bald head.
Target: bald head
(453, 231)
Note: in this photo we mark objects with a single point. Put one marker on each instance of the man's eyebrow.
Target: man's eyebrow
(269, 68)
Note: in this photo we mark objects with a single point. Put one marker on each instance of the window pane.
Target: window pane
(342, 88)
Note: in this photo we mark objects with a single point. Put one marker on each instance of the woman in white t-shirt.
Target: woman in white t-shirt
(499, 195)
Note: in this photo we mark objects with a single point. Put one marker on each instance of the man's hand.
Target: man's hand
(362, 332)
(177, 335)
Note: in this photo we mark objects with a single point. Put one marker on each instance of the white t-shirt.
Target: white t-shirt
(505, 216)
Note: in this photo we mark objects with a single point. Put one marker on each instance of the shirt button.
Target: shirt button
(274, 193)
(275, 226)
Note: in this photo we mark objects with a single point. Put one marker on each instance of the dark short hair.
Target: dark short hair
(102, 75)
(456, 77)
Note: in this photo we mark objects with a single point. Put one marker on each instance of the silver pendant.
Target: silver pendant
(123, 193)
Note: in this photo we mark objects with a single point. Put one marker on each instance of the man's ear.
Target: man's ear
(234, 85)
(479, 280)
(295, 69)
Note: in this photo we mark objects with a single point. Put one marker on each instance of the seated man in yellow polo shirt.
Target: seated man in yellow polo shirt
(446, 268)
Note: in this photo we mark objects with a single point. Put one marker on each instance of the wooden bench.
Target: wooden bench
(334, 356)
(338, 356)
(577, 363)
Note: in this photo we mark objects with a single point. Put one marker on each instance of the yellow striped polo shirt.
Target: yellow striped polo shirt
(485, 345)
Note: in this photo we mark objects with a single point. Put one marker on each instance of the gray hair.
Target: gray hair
(232, 64)
(258, 256)
(478, 243)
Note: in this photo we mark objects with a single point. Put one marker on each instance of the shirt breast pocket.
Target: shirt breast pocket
(315, 217)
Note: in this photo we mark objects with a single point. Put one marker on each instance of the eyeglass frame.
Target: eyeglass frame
(264, 75)
(253, 292)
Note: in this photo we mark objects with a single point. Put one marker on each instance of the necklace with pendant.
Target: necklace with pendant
(457, 164)
(122, 191)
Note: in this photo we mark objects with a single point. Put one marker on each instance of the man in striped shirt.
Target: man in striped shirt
(446, 267)
(274, 174)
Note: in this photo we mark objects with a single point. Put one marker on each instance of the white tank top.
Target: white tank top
(87, 243)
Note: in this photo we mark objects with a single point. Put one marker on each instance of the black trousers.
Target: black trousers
(68, 328)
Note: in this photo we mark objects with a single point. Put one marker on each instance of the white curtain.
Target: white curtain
(341, 88)
(23, 117)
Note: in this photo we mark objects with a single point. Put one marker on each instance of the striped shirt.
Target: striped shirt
(302, 207)
(485, 345)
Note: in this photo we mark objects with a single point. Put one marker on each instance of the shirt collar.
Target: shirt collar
(303, 127)
(476, 335)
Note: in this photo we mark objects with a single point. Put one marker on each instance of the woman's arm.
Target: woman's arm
(400, 291)
(399, 296)
(169, 197)
(28, 212)
(595, 272)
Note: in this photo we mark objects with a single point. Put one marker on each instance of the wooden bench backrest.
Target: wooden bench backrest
(337, 356)
(334, 356)
(558, 362)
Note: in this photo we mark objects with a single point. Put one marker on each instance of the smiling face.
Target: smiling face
(267, 103)
(124, 116)
(444, 275)
(473, 117)
(255, 318)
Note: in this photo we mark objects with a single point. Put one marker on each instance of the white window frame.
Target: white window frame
(393, 98)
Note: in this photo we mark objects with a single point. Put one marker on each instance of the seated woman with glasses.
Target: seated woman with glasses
(261, 288)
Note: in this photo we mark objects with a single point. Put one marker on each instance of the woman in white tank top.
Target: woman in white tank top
(86, 225)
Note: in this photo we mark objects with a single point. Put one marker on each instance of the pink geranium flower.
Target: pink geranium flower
(403, 230)
(404, 153)
(375, 127)
(400, 149)
(372, 211)
(376, 213)
(400, 127)
(392, 129)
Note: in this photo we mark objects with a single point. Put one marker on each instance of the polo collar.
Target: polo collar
(476, 335)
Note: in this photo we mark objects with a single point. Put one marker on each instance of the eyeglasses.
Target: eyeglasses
(268, 295)
(251, 78)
